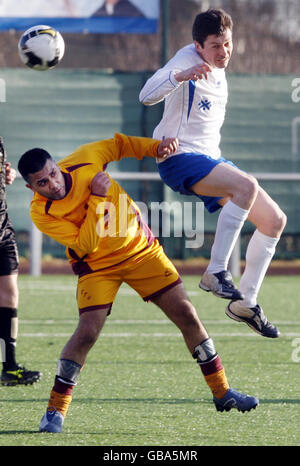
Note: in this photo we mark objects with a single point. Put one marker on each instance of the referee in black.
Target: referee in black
(12, 372)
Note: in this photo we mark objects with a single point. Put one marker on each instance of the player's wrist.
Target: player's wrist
(176, 78)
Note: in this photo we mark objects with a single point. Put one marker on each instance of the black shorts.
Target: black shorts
(9, 257)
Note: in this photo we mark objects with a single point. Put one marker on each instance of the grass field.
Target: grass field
(141, 387)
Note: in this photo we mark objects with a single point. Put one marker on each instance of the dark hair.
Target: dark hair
(32, 161)
(210, 22)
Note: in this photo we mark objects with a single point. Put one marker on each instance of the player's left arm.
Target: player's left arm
(140, 147)
(167, 146)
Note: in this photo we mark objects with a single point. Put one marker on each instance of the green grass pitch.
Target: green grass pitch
(140, 386)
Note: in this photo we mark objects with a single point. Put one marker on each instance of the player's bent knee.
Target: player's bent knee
(249, 187)
(90, 325)
(278, 221)
(187, 313)
(88, 338)
(283, 220)
(245, 191)
(87, 335)
(274, 222)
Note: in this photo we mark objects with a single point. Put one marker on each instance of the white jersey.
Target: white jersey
(194, 110)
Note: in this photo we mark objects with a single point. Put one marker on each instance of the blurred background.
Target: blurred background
(93, 93)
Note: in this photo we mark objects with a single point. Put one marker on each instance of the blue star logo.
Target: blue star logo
(205, 104)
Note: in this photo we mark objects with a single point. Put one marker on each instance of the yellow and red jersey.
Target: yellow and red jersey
(98, 232)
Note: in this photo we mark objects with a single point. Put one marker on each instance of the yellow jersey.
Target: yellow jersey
(98, 232)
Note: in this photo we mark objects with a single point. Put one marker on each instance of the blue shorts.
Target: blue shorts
(181, 171)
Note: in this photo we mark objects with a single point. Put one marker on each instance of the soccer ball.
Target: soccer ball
(41, 47)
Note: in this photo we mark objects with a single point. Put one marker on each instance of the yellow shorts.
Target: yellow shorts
(148, 274)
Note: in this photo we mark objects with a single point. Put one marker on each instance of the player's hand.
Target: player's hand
(194, 73)
(100, 184)
(10, 173)
(166, 147)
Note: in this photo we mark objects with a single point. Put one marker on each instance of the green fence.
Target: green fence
(61, 109)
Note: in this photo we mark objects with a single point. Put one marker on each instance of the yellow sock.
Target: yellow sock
(60, 402)
(218, 383)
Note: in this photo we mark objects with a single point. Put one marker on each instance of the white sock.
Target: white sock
(230, 222)
(260, 250)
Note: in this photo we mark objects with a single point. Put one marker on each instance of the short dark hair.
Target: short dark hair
(32, 161)
(210, 22)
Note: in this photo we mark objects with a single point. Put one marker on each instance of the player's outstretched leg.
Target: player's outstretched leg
(224, 397)
(60, 396)
(177, 306)
(252, 316)
(69, 366)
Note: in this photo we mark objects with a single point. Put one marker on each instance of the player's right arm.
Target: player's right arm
(194, 73)
(159, 86)
(165, 81)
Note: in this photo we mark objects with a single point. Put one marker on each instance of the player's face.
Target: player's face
(217, 50)
(49, 182)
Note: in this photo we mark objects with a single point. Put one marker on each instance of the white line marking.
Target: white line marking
(40, 288)
(145, 322)
(152, 335)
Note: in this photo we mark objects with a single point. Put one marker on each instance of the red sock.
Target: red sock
(60, 396)
(214, 374)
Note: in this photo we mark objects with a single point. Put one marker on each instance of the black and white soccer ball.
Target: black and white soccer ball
(41, 47)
